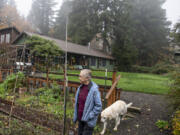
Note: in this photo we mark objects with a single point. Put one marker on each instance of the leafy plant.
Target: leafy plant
(97, 128)
(161, 124)
(174, 94)
(2, 91)
(8, 85)
(176, 123)
(54, 90)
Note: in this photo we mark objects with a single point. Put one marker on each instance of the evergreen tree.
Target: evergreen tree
(83, 21)
(60, 23)
(120, 27)
(42, 14)
(150, 30)
(176, 33)
(137, 28)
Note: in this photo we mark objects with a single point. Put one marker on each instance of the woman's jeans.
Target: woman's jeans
(84, 129)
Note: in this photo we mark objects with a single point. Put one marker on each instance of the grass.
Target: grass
(146, 83)
(137, 82)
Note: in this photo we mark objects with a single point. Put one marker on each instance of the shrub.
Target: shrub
(2, 91)
(54, 90)
(174, 93)
(141, 69)
(162, 68)
(9, 84)
(159, 68)
(176, 123)
(161, 124)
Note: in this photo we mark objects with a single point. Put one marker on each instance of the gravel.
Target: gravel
(154, 108)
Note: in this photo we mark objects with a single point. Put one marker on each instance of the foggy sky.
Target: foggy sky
(172, 8)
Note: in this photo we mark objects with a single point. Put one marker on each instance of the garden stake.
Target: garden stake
(66, 82)
(12, 105)
(65, 103)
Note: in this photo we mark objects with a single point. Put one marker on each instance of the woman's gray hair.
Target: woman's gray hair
(87, 73)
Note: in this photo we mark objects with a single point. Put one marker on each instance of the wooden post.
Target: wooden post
(34, 83)
(40, 84)
(113, 98)
(114, 76)
(11, 70)
(1, 76)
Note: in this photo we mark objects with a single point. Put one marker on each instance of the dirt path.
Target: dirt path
(154, 107)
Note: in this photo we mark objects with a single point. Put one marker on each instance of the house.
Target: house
(77, 54)
(7, 51)
(7, 35)
(177, 54)
(98, 43)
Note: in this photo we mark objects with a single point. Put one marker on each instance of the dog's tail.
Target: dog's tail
(128, 105)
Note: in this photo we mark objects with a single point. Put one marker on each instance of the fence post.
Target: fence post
(40, 84)
(114, 76)
(11, 70)
(0, 76)
(113, 98)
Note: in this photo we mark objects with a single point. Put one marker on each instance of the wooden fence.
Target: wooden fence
(4, 73)
(109, 94)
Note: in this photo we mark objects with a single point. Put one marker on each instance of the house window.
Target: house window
(7, 38)
(111, 62)
(93, 62)
(103, 62)
(2, 38)
(99, 62)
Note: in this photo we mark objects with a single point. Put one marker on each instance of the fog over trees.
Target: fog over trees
(138, 29)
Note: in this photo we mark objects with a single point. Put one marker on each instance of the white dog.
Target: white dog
(115, 111)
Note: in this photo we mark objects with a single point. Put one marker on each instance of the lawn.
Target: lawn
(137, 82)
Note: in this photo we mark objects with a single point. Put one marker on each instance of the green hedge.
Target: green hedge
(174, 93)
(160, 68)
(176, 123)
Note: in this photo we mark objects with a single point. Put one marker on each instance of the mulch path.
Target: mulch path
(154, 108)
